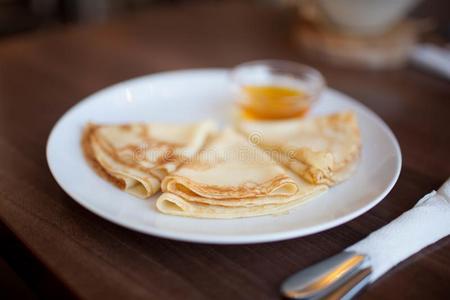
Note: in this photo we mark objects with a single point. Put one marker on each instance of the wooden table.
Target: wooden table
(43, 74)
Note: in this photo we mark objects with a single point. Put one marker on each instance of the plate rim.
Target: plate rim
(227, 239)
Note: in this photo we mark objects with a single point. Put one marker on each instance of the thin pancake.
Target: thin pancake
(172, 204)
(322, 150)
(136, 157)
(231, 178)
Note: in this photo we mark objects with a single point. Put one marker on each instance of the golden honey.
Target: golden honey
(270, 102)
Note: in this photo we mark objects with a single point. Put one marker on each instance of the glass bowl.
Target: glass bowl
(275, 89)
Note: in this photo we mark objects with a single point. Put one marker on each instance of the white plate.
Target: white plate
(195, 95)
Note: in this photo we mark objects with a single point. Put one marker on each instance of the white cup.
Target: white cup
(366, 17)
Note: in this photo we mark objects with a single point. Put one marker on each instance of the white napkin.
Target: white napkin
(433, 58)
(427, 222)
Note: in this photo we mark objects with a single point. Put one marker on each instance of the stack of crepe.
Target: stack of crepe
(321, 150)
(209, 174)
(136, 157)
(232, 178)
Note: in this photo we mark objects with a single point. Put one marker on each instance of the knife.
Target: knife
(339, 277)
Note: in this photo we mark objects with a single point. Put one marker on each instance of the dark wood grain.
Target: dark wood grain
(45, 73)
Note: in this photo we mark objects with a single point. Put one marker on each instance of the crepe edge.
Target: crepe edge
(89, 155)
(243, 191)
(172, 204)
(338, 175)
(141, 190)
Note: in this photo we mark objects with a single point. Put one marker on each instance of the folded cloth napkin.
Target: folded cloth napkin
(427, 222)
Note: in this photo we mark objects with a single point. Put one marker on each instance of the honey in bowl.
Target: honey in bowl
(275, 89)
(269, 102)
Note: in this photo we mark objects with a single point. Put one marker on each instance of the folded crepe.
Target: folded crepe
(321, 150)
(136, 157)
(232, 178)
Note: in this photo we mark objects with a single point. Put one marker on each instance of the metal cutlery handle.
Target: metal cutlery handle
(320, 279)
(351, 287)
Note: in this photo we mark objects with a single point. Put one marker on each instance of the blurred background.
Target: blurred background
(370, 34)
(24, 15)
